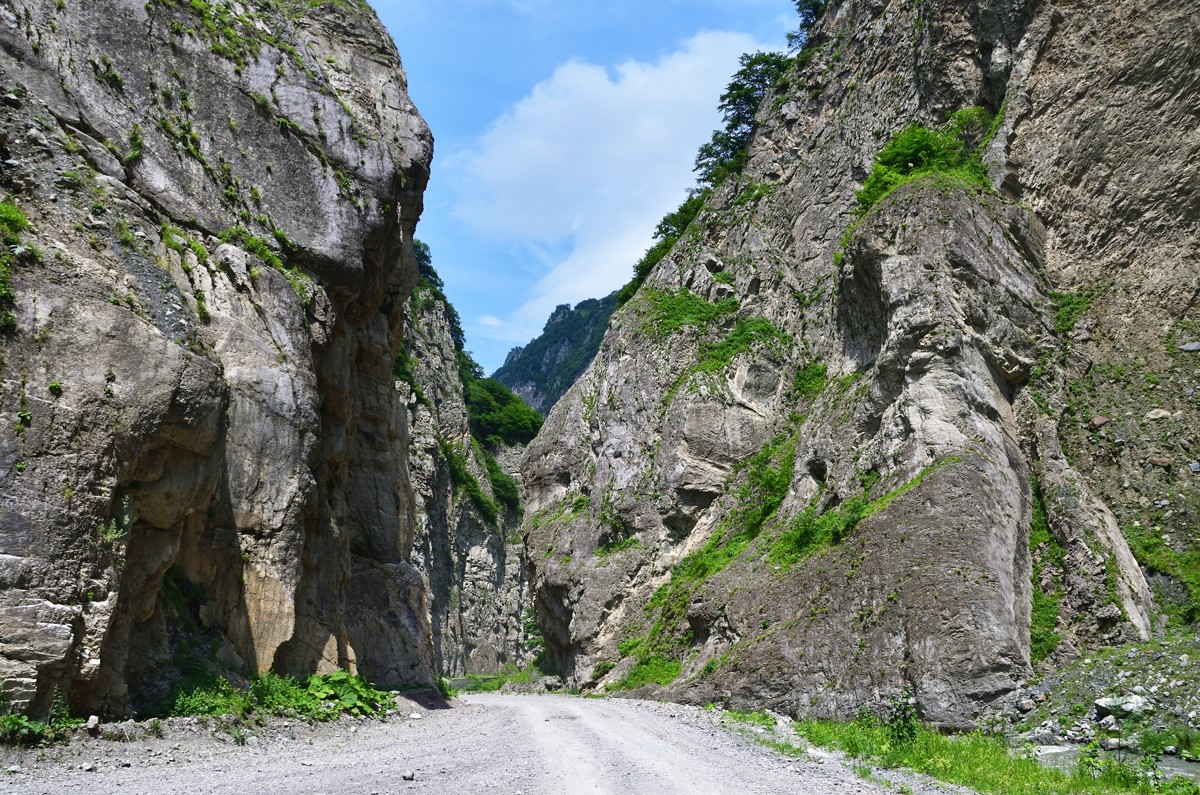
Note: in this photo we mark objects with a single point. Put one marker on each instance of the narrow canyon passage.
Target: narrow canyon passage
(533, 745)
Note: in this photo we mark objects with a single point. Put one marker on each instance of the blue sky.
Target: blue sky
(565, 129)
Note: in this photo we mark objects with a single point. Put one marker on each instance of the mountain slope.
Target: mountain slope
(805, 468)
(543, 370)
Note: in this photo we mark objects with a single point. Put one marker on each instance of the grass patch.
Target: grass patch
(986, 764)
(12, 224)
(653, 670)
(1045, 551)
(1071, 307)
(811, 380)
(671, 312)
(811, 531)
(715, 357)
(1151, 552)
(951, 154)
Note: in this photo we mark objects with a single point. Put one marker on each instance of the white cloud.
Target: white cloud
(491, 321)
(587, 164)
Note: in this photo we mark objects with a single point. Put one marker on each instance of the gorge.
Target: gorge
(905, 405)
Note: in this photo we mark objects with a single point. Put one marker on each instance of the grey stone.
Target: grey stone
(1121, 706)
(1190, 347)
(93, 725)
(410, 775)
(262, 450)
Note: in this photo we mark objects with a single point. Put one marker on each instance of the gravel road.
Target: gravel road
(511, 744)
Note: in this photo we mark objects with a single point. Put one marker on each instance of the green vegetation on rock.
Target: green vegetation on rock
(984, 763)
(1182, 609)
(12, 224)
(1046, 551)
(668, 232)
(320, 697)
(671, 312)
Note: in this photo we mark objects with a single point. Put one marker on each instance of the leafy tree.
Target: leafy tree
(666, 235)
(810, 12)
(725, 154)
(498, 416)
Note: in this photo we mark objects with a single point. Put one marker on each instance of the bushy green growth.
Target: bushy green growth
(670, 312)
(617, 545)
(917, 151)
(402, 370)
(754, 718)
(749, 331)
(490, 683)
(811, 531)
(1071, 307)
(429, 281)
(25, 731)
(12, 224)
(463, 480)
(497, 415)
(255, 245)
(668, 232)
(1153, 553)
(762, 491)
(811, 380)
(504, 487)
(534, 641)
(766, 483)
(1043, 639)
(985, 764)
(723, 277)
(321, 697)
(715, 357)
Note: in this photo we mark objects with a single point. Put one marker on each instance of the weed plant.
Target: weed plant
(986, 764)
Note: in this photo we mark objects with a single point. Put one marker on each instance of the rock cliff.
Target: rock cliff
(209, 212)
(825, 456)
(468, 543)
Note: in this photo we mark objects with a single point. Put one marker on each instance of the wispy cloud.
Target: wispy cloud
(586, 164)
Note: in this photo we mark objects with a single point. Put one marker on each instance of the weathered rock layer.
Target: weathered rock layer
(198, 422)
(800, 471)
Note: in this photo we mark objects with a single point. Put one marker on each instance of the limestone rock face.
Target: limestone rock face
(201, 440)
(472, 560)
(799, 472)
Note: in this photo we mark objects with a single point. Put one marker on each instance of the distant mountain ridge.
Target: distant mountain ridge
(542, 371)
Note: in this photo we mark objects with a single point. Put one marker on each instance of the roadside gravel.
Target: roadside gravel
(513, 744)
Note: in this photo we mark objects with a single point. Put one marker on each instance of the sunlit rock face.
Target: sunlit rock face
(800, 472)
(203, 448)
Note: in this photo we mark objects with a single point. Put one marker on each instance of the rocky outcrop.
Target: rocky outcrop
(798, 473)
(544, 369)
(467, 543)
(202, 445)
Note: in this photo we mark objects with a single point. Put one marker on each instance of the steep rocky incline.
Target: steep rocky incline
(468, 543)
(201, 441)
(806, 466)
(544, 369)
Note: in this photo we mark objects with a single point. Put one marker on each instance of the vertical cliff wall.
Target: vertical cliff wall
(804, 468)
(468, 542)
(202, 443)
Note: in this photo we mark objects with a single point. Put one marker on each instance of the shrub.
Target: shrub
(953, 154)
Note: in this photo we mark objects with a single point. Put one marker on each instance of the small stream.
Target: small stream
(1064, 757)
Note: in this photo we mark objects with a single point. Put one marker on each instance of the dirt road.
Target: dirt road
(516, 745)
